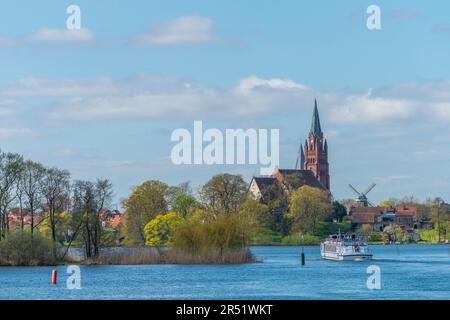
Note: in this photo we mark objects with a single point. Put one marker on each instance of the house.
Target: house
(15, 220)
(380, 217)
(406, 217)
(367, 215)
(282, 182)
(111, 219)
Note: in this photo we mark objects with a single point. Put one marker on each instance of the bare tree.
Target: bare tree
(89, 199)
(103, 196)
(11, 165)
(55, 188)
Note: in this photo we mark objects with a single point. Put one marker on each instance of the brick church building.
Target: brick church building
(311, 167)
(314, 155)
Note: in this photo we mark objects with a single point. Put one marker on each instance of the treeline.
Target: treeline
(213, 228)
(224, 216)
(59, 210)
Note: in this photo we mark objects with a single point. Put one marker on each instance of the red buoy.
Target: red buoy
(54, 276)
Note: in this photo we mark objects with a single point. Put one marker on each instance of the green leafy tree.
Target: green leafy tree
(388, 203)
(63, 226)
(439, 214)
(257, 214)
(278, 202)
(225, 233)
(184, 205)
(223, 193)
(145, 202)
(307, 207)
(338, 211)
(160, 230)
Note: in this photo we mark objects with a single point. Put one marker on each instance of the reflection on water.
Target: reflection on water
(407, 272)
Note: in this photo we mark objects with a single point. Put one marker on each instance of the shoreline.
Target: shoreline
(94, 264)
(369, 243)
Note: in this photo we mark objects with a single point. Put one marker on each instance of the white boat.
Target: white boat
(345, 247)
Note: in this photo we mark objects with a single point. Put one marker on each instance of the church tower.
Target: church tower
(316, 151)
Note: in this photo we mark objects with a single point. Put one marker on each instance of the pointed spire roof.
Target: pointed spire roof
(316, 130)
(300, 158)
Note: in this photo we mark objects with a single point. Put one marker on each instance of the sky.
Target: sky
(103, 101)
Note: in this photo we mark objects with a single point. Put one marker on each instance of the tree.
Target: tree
(30, 188)
(84, 209)
(63, 229)
(348, 203)
(225, 233)
(89, 199)
(228, 232)
(307, 207)
(11, 166)
(392, 202)
(255, 213)
(393, 233)
(338, 211)
(277, 202)
(409, 201)
(173, 192)
(55, 188)
(184, 205)
(223, 193)
(439, 212)
(103, 196)
(145, 202)
(160, 230)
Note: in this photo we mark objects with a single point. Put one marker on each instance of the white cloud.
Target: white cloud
(49, 36)
(169, 97)
(248, 84)
(369, 108)
(40, 87)
(63, 35)
(186, 30)
(157, 97)
(11, 133)
(8, 107)
(442, 110)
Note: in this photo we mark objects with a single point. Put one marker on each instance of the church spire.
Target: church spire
(315, 124)
(299, 163)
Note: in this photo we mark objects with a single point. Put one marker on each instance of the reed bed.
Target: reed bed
(143, 256)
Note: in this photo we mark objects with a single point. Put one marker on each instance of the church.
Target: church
(311, 168)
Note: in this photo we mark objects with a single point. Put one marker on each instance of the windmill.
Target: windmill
(362, 196)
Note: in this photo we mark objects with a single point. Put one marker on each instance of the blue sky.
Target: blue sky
(104, 103)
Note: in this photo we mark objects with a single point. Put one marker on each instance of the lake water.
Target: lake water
(407, 272)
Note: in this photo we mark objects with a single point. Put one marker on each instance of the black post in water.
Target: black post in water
(303, 250)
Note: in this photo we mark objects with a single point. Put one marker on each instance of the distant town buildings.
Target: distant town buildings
(380, 217)
(111, 220)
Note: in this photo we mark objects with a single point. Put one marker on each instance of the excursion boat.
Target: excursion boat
(345, 247)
